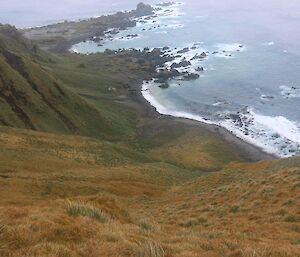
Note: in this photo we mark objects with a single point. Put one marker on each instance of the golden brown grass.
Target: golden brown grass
(77, 209)
(55, 201)
(195, 149)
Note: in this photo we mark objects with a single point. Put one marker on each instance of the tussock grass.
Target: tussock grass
(149, 249)
(2, 228)
(48, 249)
(194, 222)
(77, 209)
(290, 218)
(2, 242)
(235, 209)
(145, 225)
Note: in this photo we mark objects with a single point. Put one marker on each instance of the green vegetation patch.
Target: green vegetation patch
(77, 209)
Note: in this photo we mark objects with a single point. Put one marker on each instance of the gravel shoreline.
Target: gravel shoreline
(247, 151)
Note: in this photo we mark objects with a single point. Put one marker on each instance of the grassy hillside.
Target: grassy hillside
(32, 97)
(88, 171)
(77, 196)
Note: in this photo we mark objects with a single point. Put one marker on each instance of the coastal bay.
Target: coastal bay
(162, 55)
(157, 132)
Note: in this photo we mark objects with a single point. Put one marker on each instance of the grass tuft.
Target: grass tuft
(149, 249)
(194, 222)
(296, 185)
(295, 241)
(235, 209)
(77, 209)
(290, 218)
(145, 225)
(2, 243)
(268, 190)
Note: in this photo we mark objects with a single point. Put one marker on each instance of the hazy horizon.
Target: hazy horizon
(280, 18)
(34, 13)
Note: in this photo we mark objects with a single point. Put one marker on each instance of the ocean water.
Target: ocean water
(251, 79)
(32, 13)
(250, 85)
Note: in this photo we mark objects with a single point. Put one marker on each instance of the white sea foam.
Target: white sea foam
(230, 47)
(280, 125)
(170, 12)
(161, 32)
(269, 43)
(125, 38)
(228, 50)
(174, 26)
(275, 135)
(290, 91)
(267, 97)
(74, 50)
(166, 111)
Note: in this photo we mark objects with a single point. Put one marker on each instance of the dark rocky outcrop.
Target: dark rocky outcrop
(201, 56)
(166, 4)
(167, 74)
(191, 76)
(183, 51)
(199, 69)
(182, 64)
(164, 85)
(143, 10)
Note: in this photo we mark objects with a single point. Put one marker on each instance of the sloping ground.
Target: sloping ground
(75, 196)
(186, 145)
(35, 166)
(244, 210)
(166, 189)
(30, 97)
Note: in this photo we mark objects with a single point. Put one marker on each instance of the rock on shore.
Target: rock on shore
(143, 10)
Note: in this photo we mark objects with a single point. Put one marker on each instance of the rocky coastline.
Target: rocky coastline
(60, 37)
(161, 64)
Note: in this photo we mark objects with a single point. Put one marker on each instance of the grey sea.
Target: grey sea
(250, 83)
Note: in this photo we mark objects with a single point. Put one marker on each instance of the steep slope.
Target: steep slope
(170, 188)
(77, 196)
(30, 97)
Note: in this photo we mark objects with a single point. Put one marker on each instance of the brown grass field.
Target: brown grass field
(69, 196)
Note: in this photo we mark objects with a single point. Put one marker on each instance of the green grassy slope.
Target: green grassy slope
(30, 97)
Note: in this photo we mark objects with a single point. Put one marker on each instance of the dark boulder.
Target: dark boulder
(200, 69)
(183, 51)
(143, 10)
(164, 85)
(181, 64)
(201, 56)
(191, 76)
(166, 4)
(167, 74)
